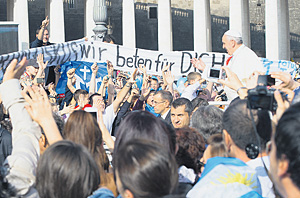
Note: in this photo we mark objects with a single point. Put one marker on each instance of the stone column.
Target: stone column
(17, 11)
(56, 27)
(10, 10)
(277, 30)
(128, 24)
(88, 18)
(239, 19)
(99, 16)
(165, 36)
(202, 26)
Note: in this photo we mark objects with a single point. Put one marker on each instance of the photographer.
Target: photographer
(287, 86)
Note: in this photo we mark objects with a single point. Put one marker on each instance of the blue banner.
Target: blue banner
(83, 75)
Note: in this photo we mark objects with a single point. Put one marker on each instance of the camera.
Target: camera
(214, 74)
(263, 98)
(266, 80)
(40, 80)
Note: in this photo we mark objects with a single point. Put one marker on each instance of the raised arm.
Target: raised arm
(39, 109)
(110, 86)
(234, 83)
(21, 164)
(94, 68)
(198, 64)
(169, 78)
(99, 104)
(43, 26)
(42, 67)
(163, 71)
(121, 95)
(71, 75)
(57, 74)
(145, 76)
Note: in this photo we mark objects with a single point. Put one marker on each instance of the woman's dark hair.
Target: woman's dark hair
(66, 170)
(199, 102)
(144, 125)
(146, 169)
(82, 128)
(191, 146)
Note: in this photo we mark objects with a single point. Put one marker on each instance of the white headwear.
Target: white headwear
(233, 33)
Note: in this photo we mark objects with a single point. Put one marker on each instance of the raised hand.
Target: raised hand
(165, 68)
(40, 61)
(67, 109)
(232, 81)
(99, 104)
(198, 64)
(40, 111)
(143, 69)
(133, 76)
(71, 73)
(110, 68)
(39, 106)
(45, 22)
(94, 68)
(169, 78)
(56, 69)
(15, 70)
(287, 81)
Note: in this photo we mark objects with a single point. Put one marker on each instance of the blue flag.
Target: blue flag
(83, 75)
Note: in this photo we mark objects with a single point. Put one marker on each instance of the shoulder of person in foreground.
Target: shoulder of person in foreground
(226, 176)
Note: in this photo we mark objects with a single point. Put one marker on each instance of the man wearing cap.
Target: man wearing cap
(34, 70)
(242, 61)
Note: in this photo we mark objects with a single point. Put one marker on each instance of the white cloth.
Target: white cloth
(109, 117)
(243, 62)
(190, 91)
(21, 164)
(186, 175)
(265, 182)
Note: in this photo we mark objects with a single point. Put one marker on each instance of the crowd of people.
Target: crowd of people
(154, 141)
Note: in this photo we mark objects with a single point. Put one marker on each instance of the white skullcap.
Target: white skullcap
(233, 33)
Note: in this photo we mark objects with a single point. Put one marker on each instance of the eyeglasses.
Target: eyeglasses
(268, 147)
(155, 102)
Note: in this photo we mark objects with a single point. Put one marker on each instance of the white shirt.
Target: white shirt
(190, 91)
(243, 62)
(165, 114)
(265, 182)
(109, 117)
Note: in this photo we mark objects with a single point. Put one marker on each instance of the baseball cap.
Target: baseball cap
(32, 62)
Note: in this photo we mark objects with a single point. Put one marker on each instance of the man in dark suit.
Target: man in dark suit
(162, 101)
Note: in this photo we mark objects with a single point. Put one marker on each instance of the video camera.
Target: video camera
(262, 97)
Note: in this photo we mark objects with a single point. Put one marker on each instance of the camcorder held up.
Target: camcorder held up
(262, 96)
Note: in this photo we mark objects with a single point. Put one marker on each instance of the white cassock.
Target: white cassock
(243, 62)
